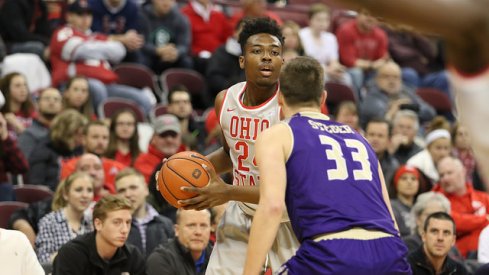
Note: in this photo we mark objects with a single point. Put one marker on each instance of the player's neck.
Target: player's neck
(290, 111)
(255, 95)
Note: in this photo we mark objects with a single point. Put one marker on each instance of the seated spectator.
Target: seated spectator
(292, 39)
(75, 50)
(148, 228)
(123, 138)
(95, 141)
(169, 46)
(67, 221)
(322, 45)
(483, 249)
(119, 19)
(180, 105)
(189, 252)
(18, 109)
(438, 235)
(387, 94)
(405, 186)
(426, 204)
(254, 9)
(347, 113)
(25, 28)
(438, 146)
(223, 68)
(12, 161)
(210, 29)
(49, 105)
(362, 48)
(405, 126)
(18, 256)
(104, 251)
(27, 219)
(77, 96)
(462, 149)
(166, 141)
(378, 134)
(63, 142)
(469, 207)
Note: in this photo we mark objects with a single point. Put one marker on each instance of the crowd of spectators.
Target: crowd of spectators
(57, 136)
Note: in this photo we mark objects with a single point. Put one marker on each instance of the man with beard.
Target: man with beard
(49, 105)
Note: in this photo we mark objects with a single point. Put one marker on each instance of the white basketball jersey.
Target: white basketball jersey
(241, 126)
(472, 98)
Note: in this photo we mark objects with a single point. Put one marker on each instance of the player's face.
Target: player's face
(439, 149)
(180, 105)
(193, 229)
(262, 60)
(134, 189)
(80, 194)
(125, 126)
(113, 231)
(438, 238)
(407, 185)
(97, 139)
(92, 165)
(77, 94)
(377, 135)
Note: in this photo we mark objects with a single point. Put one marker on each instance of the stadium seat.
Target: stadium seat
(191, 79)
(438, 100)
(138, 76)
(158, 110)
(113, 104)
(338, 93)
(6, 210)
(32, 193)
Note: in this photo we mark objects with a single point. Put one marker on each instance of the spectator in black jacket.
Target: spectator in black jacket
(432, 257)
(148, 228)
(189, 252)
(104, 251)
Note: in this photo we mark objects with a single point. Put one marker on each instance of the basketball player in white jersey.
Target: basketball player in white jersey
(464, 26)
(244, 110)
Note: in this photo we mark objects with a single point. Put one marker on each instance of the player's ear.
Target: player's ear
(241, 62)
(323, 97)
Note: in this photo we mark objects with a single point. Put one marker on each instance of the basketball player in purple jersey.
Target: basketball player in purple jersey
(244, 111)
(330, 180)
(464, 27)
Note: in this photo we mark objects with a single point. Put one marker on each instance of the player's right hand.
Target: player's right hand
(215, 193)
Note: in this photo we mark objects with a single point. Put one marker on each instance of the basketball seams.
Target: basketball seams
(166, 187)
(178, 174)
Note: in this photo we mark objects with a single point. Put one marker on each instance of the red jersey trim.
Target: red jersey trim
(258, 106)
(222, 104)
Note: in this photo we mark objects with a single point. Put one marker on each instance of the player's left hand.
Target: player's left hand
(215, 193)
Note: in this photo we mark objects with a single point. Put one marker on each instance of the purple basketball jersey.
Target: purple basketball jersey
(332, 180)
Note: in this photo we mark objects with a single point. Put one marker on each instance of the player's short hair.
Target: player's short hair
(302, 81)
(439, 216)
(254, 26)
(110, 203)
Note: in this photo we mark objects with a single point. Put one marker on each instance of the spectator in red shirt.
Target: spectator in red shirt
(166, 141)
(124, 138)
(470, 208)
(363, 47)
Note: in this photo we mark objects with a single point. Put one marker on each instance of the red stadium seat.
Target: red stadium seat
(6, 210)
(32, 193)
(112, 105)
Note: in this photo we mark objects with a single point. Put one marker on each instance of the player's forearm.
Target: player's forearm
(220, 160)
(263, 231)
(249, 194)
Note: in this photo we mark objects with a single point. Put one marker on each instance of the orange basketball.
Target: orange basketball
(182, 169)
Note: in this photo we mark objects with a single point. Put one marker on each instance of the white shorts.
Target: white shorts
(229, 253)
